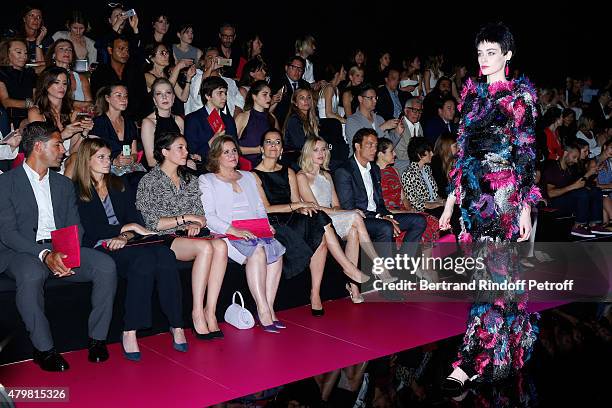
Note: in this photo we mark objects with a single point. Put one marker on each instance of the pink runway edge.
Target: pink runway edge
(247, 361)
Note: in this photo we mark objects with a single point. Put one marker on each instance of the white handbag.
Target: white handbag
(237, 315)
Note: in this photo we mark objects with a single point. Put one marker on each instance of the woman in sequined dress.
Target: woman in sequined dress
(493, 184)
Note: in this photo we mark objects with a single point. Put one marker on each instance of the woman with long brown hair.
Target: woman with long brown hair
(255, 121)
(301, 120)
(62, 54)
(109, 217)
(443, 160)
(53, 103)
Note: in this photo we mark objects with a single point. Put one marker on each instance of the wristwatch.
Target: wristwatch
(39, 46)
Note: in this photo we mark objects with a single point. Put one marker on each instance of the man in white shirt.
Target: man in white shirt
(211, 68)
(413, 109)
(34, 202)
(358, 184)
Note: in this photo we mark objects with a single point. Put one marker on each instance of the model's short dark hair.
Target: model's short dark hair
(496, 33)
(36, 132)
(361, 134)
(417, 147)
(209, 85)
(574, 145)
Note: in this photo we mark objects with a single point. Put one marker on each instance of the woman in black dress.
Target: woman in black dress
(303, 228)
(161, 120)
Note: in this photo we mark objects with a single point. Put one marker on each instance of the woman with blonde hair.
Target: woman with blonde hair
(17, 81)
(308, 230)
(351, 90)
(433, 72)
(316, 185)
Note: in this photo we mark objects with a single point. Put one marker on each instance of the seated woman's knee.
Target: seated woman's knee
(203, 247)
(219, 246)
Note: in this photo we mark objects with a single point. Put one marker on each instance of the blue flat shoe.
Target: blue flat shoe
(279, 324)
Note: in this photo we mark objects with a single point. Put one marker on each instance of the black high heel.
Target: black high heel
(317, 312)
(200, 336)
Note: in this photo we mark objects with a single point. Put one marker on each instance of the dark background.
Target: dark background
(559, 39)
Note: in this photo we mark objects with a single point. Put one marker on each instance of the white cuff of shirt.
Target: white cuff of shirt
(42, 253)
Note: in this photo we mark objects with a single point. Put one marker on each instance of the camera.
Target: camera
(129, 13)
(224, 62)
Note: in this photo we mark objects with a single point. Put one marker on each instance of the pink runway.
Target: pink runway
(247, 361)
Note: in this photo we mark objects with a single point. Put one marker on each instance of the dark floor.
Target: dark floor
(570, 367)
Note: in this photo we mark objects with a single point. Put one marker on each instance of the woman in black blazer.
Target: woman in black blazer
(108, 213)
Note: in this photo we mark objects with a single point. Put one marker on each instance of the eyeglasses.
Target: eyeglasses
(163, 52)
(296, 67)
(372, 98)
(415, 110)
(270, 142)
(227, 37)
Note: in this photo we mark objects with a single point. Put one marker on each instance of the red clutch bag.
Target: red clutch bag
(215, 121)
(66, 241)
(257, 226)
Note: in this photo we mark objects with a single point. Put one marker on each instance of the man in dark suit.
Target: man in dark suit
(443, 122)
(198, 131)
(34, 202)
(358, 187)
(390, 99)
(290, 82)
